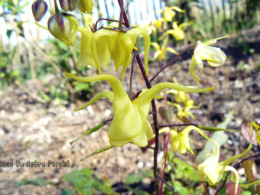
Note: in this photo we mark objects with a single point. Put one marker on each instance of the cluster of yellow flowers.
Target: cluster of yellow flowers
(130, 122)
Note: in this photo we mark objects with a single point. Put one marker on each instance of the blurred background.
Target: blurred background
(36, 101)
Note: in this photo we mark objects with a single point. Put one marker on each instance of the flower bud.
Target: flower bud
(39, 8)
(84, 5)
(64, 27)
(67, 5)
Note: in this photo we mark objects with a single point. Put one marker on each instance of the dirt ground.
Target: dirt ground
(30, 130)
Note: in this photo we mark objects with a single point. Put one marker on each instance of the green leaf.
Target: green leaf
(220, 137)
(85, 183)
(137, 177)
(67, 191)
(179, 188)
(36, 182)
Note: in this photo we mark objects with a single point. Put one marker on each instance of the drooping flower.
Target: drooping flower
(86, 54)
(130, 122)
(180, 140)
(214, 56)
(120, 44)
(169, 12)
(182, 102)
(177, 31)
(160, 53)
(211, 170)
(64, 27)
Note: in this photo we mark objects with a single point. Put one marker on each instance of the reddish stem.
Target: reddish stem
(173, 60)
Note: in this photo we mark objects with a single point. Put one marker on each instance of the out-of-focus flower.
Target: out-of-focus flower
(180, 97)
(64, 27)
(214, 56)
(130, 122)
(160, 53)
(39, 9)
(86, 54)
(211, 170)
(120, 44)
(169, 12)
(256, 126)
(158, 24)
(67, 5)
(177, 31)
(84, 5)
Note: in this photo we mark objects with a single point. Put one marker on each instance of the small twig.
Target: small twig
(110, 20)
(178, 125)
(131, 76)
(163, 180)
(173, 60)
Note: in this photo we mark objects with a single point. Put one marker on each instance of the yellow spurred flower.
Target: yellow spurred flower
(211, 170)
(169, 12)
(214, 56)
(160, 53)
(130, 122)
(177, 31)
(120, 44)
(86, 54)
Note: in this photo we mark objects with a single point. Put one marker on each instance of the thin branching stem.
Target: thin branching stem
(164, 181)
(172, 61)
(131, 77)
(148, 84)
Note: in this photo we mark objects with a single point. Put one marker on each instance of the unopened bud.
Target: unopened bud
(64, 27)
(84, 5)
(67, 5)
(39, 8)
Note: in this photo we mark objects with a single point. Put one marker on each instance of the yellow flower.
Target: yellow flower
(211, 170)
(158, 24)
(169, 12)
(177, 31)
(214, 56)
(120, 45)
(180, 141)
(180, 97)
(130, 122)
(86, 54)
(160, 53)
(64, 27)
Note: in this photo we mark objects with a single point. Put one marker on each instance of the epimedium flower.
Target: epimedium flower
(160, 53)
(86, 54)
(63, 26)
(177, 31)
(169, 12)
(214, 56)
(211, 170)
(130, 123)
(120, 43)
(180, 140)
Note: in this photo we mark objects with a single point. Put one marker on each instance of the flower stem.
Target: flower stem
(148, 84)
